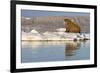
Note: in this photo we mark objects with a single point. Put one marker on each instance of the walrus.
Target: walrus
(71, 26)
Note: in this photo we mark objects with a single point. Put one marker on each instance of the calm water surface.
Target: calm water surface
(44, 51)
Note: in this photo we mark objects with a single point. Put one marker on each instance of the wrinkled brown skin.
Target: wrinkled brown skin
(71, 26)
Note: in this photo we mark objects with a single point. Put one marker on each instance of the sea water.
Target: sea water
(47, 51)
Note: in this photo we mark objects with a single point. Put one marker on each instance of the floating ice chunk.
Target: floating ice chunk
(85, 36)
(37, 38)
(47, 33)
(59, 36)
(51, 36)
(61, 29)
(60, 33)
(34, 31)
(27, 18)
(31, 37)
(34, 35)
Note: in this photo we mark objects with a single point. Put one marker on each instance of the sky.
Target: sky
(31, 13)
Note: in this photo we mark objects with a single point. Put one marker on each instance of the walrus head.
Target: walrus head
(71, 26)
(67, 22)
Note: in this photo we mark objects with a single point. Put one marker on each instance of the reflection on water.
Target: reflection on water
(71, 47)
(43, 51)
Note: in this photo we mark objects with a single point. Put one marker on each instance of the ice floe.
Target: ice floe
(61, 29)
(58, 35)
(34, 31)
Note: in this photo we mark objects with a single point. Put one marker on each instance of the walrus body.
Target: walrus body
(71, 26)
